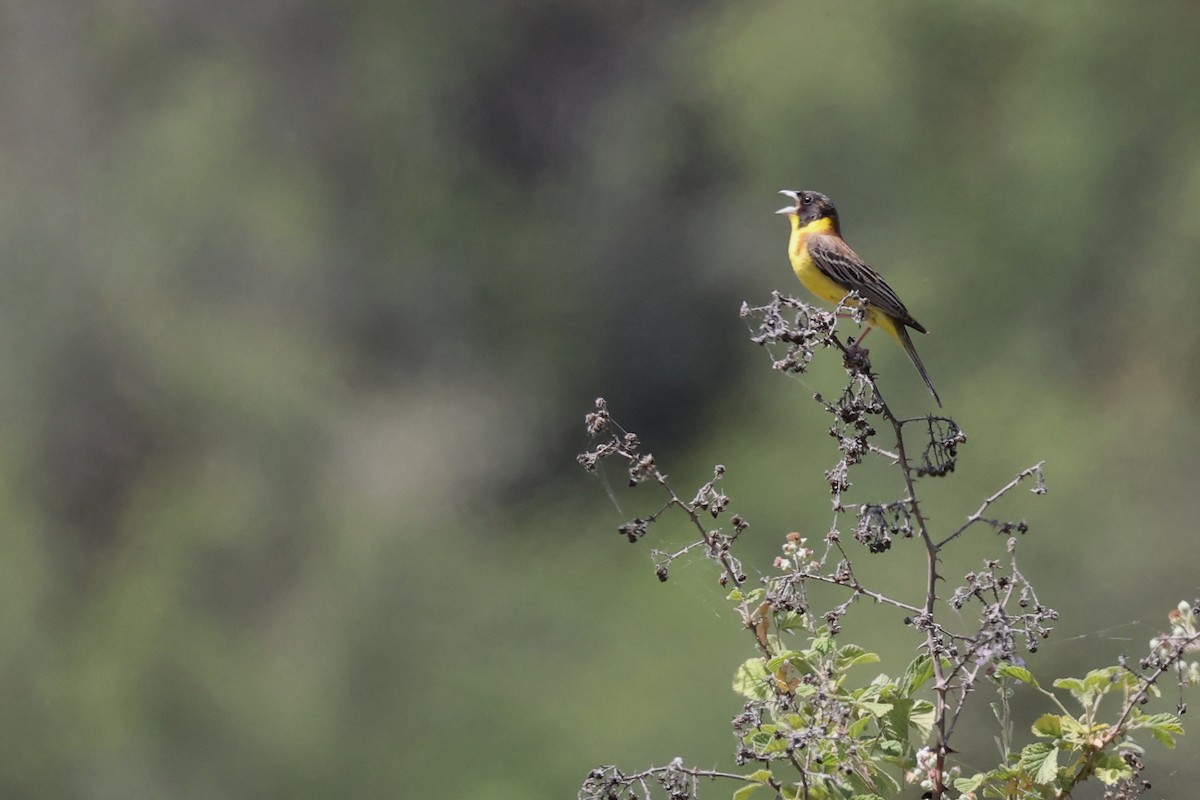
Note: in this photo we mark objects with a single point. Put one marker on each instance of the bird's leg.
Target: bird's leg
(856, 356)
(857, 343)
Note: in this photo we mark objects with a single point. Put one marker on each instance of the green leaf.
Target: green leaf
(856, 728)
(916, 674)
(823, 644)
(1130, 746)
(1111, 768)
(921, 717)
(1098, 682)
(884, 780)
(1016, 673)
(895, 724)
(1103, 681)
(1169, 721)
(792, 657)
(763, 740)
(860, 784)
(1040, 760)
(907, 714)
(1072, 685)
(1074, 731)
(967, 785)
(891, 747)
(752, 681)
(746, 791)
(1164, 727)
(1049, 725)
(759, 776)
(754, 596)
(852, 655)
(873, 708)
(796, 791)
(774, 643)
(761, 733)
(791, 621)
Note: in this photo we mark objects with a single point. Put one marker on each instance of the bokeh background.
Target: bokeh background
(303, 305)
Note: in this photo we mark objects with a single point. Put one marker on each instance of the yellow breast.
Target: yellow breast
(816, 281)
(802, 264)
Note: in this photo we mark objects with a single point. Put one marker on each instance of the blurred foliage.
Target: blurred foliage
(302, 306)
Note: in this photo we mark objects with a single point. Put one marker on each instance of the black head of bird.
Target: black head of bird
(810, 206)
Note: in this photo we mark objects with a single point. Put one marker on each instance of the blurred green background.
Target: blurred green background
(304, 303)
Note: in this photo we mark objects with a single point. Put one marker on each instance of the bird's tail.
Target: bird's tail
(906, 342)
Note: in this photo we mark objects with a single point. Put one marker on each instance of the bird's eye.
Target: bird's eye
(806, 199)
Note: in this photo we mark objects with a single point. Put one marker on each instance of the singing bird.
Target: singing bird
(828, 268)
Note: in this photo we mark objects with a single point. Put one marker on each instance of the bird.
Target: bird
(828, 268)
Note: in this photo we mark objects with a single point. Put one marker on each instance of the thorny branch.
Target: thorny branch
(1010, 616)
(610, 783)
(642, 467)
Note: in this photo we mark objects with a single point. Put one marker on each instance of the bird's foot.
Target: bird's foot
(856, 349)
(856, 357)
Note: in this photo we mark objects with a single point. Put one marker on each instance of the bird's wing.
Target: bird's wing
(844, 267)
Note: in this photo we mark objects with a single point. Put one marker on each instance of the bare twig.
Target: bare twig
(1040, 488)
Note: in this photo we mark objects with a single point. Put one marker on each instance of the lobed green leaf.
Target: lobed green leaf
(1049, 725)
(1017, 673)
(1040, 760)
(752, 680)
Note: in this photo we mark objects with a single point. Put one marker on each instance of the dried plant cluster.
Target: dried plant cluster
(810, 728)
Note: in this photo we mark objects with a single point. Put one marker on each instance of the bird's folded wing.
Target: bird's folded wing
(843, 266)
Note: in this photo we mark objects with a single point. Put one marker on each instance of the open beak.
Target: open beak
(795, 198)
